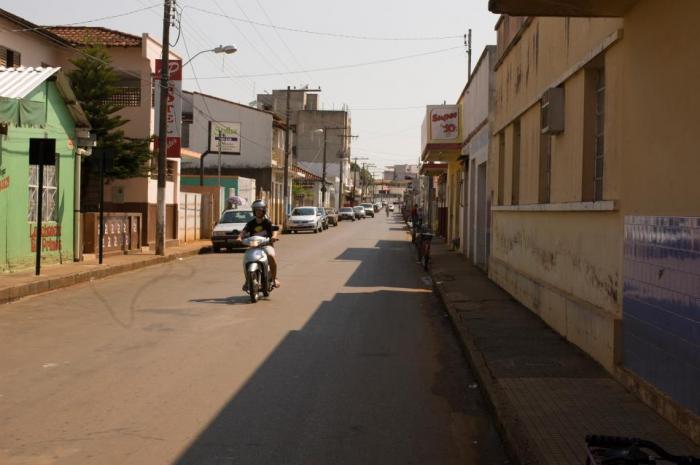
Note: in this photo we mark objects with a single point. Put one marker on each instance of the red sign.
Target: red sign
(50, 238)
(4, 183)
(173, 106)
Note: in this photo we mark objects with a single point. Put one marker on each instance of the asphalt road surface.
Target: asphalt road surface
(352, 361)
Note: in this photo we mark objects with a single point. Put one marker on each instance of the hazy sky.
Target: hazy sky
(378, 95)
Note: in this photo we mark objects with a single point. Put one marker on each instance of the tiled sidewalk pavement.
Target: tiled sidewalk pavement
(546, 393)
(14, 286)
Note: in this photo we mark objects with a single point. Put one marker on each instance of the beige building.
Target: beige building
(593, 176)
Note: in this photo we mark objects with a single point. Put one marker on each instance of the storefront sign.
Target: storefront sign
(444, 123)
(228, 134)
(173, 106)
(50, 238)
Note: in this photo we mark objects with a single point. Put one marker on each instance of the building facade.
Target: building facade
(593, 180)
(37, 103)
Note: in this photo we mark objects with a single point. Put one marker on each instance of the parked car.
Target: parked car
(360, 212)
(346, 213)
(305, 219)
(320, 211)
(369, 209)
(390, 207)
(227, 232)
(332, 216)
(377, 207)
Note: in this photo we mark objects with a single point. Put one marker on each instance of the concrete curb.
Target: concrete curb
(20, 291)
(520, 448)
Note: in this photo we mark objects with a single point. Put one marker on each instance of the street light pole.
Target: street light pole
(323, 181)
(163, 130)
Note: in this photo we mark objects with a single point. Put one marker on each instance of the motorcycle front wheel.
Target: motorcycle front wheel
(254, 285)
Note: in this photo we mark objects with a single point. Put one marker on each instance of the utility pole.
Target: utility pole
(342, 167)
(286, 163)
(287, 148)
(354, 182)
(163, 130)
(468, 44)
(323, 176)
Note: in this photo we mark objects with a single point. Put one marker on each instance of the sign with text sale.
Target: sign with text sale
(173, 106)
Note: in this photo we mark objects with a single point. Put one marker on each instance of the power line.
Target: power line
(277, 57)
(252, 45)
(354, 65)
(87, 21)
(291, 53)
(330, 34)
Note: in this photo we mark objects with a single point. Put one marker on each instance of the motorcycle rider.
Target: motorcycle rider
(262, 226)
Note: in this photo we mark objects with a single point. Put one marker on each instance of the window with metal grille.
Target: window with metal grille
(49, 194)
(126, 96)
(599, 135)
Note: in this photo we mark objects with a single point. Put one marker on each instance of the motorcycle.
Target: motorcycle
(257, 267)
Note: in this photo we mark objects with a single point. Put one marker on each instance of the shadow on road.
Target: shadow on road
(384, 265)
(233, 300)
(369, 379)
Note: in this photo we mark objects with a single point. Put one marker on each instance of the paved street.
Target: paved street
(352, 361)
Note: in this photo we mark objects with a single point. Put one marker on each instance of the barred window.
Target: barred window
(10, 58)
(49, 195)
(126, 96)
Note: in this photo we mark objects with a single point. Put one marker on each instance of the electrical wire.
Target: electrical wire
(262, 38)
(329, 34)
(279, 36)
(354, 65)
(88, 21)
(252, 45)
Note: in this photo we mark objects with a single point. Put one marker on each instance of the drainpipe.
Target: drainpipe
(77, 215)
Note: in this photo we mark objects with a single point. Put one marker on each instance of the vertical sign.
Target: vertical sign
(173, 105)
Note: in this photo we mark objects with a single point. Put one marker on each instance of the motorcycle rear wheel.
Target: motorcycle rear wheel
(254, 285)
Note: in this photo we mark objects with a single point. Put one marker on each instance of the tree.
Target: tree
(94, 83)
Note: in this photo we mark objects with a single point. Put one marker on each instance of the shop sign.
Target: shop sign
(444, 123)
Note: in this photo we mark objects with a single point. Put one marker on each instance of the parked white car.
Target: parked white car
(305, 219)
(227, 232)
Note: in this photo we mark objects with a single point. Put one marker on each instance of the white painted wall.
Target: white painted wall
(256, 132)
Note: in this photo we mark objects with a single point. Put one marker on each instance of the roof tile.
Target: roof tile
(84, 35)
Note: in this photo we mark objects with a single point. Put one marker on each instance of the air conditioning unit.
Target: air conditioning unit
(552, 111)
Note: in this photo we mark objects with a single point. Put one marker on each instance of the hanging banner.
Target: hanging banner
(173, 106)
(444, 123)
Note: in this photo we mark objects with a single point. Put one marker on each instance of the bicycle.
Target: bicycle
(614, 450)
(425, 239)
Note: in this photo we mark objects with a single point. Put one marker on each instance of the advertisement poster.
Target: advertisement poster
(228, 134)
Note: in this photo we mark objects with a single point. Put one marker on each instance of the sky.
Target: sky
(386, 98)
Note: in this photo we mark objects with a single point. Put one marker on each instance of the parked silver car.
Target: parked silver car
(346, 213)
(360, 213)
(305, 219)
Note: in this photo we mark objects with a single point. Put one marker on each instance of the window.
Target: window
(187, 120)
(10, 58)
(49, 195)
(599, 154)
(127, 93)
(501, 162)
(515, 191)
(545, 183)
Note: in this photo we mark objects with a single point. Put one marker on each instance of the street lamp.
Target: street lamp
(227, 49)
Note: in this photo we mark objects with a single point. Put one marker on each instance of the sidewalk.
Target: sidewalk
(14, 286)
(546, 393)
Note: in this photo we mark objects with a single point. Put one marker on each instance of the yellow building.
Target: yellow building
(594, 180)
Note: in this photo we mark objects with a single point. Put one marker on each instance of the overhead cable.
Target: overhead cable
(87, 21)
(330, 34)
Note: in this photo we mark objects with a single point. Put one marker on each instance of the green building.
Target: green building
(38, 103)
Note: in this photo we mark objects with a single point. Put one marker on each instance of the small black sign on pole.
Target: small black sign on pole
(42, 152)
